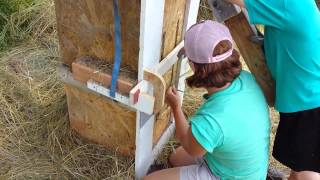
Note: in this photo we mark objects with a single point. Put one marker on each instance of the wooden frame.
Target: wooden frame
(158, 34)
(145, 151)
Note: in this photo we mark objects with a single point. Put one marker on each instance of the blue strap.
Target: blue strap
(117, 54)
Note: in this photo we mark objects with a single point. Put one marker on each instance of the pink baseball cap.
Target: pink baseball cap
(202, 38)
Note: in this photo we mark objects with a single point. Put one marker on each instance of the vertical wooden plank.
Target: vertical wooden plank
(252, 54)
(173, 28)
(150, 37)
(144, 157)
(191, 13)
(173, 25)
(150, 45)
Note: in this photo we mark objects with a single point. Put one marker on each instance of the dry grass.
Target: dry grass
(35, 139)
(204, 11)
(34, 133)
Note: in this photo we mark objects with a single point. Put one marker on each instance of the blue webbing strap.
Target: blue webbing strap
(117, 54)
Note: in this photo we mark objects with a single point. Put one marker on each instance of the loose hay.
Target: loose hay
(34, 132)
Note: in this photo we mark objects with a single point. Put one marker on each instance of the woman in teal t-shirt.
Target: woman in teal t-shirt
(228, 137)
(291, 43)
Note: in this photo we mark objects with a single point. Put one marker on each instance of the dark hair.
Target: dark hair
(216, 74)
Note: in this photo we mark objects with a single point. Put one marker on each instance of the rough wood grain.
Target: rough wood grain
(101, 120)
(171, 37)
(106, 122)
(173, 24)
(252, 54)
(84, 73)
(86, 28)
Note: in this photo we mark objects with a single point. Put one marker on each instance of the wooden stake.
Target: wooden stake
(252, 54)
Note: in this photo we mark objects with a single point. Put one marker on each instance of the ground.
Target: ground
(35, 139)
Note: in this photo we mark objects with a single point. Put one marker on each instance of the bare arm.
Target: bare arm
(184, 135)
(183, 129)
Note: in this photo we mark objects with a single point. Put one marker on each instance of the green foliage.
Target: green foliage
(11, 27)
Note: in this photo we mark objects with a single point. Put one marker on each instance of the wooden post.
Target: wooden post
(252, 54)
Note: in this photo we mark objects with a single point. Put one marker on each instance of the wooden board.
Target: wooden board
(83, 73)
(159, 89)
(101, 120)
(105, 122)
(173, 25)
(86, 28)
(252, 54)
(172, 35)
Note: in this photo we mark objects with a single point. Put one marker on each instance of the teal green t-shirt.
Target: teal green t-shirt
(292, 48)
(233, 127)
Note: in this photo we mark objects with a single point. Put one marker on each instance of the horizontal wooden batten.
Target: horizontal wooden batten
(84, 73)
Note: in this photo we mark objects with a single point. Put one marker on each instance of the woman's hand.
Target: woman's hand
(173, 98)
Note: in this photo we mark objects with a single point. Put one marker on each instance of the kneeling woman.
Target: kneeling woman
(228, 137)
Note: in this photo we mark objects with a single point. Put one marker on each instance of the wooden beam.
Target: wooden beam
(84, 73)
(151, 24)
(168, 61)
(191, 14)
(252, 54)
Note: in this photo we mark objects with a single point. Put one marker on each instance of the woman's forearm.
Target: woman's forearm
(184, 135)
(182, 125)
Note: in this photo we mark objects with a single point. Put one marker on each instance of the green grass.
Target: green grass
(8, 9)
(21, 20)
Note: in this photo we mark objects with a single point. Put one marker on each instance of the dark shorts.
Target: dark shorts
(297, 142)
